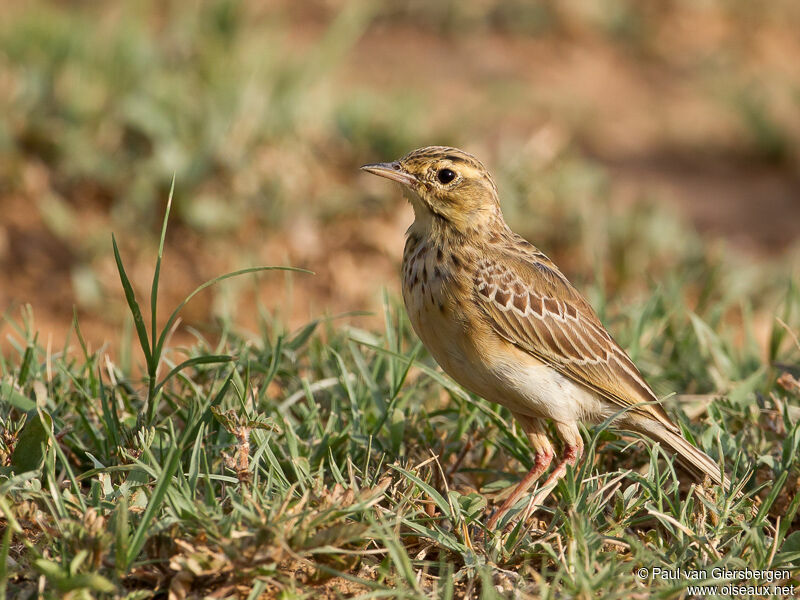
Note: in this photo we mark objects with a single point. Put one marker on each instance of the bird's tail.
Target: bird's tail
(693, 459)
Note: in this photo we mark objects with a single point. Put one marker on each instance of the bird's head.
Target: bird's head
(446, 185)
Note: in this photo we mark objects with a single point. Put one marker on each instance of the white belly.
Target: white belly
(538, 390)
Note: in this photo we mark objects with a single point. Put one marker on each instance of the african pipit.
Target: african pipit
(503, 321)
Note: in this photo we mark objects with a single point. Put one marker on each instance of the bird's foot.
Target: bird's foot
(540, 464)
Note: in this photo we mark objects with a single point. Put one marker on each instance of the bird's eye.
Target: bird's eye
(445, 176)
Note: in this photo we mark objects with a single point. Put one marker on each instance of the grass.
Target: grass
(338, 461)
(334, 461)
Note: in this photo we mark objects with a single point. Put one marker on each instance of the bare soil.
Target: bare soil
(643, 118)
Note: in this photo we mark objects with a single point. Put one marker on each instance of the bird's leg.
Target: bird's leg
(573, 450)
(544, 454)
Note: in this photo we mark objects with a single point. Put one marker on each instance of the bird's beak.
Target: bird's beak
(392, 171)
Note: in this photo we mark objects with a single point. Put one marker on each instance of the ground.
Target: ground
(291, 438)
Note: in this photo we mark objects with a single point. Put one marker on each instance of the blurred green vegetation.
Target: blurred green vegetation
(106, 98)
(250, 109)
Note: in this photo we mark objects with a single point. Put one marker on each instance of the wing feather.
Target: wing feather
(532, 305)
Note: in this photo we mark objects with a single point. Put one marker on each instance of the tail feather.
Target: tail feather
(693, 459)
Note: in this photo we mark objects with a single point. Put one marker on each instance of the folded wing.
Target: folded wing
(532, 305)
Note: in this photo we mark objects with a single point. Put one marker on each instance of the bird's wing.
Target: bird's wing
(532, 305)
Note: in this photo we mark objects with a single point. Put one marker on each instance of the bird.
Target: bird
(503, 321)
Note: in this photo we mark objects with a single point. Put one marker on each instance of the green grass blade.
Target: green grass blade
(27, 359)
(197, 360)
(194, 462)
(6, 544)
(14, 398)
(440, 501)
(121, 534)
(133, 305)
(157, 272)
(156, 499)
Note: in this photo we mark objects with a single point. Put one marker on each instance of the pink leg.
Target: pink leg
(540, 464)
(573, 450)
(544, 454)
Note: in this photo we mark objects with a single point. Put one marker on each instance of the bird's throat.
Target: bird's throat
(426, 217)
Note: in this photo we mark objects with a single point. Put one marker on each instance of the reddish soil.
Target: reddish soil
(645, 118)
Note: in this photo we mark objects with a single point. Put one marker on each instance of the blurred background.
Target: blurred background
(640, 144)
